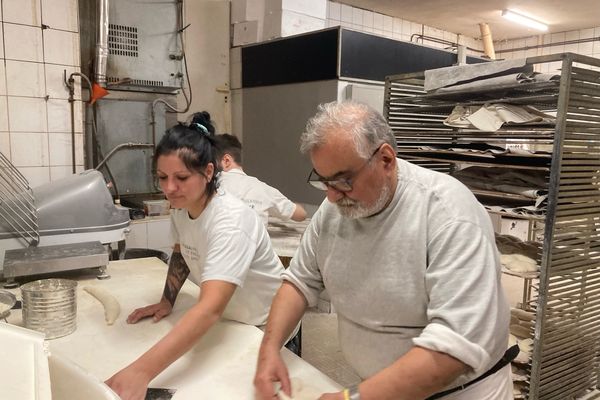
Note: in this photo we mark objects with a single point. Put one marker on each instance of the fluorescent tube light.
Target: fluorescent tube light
(524, 20)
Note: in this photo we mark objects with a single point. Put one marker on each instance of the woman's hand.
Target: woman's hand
(129, 383)
(157, 311)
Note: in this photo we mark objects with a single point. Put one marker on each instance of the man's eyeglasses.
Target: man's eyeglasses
(342, 184)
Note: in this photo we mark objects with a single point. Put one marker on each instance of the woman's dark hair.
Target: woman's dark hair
(194, 144)
(203, 119)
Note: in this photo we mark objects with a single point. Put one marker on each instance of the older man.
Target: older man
(410, 263)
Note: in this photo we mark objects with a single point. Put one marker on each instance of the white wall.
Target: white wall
(283, 18)
(150, 233)
(35, 122)
(207, 50)
(392, 27)
(508, 48)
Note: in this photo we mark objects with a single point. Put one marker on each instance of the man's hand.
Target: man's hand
(271, 369)
(157, 311)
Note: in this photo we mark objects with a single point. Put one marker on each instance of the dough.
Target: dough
(518, 374)
(112, 308)
(522, 314)
(526, 345)
(518, 263)
(283, 396)
(300, 391)
(521, 332)
(512, 340)
(522, 358)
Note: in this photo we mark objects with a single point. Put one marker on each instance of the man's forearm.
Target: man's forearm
(418, 374)
(286, 311)
(176, 276)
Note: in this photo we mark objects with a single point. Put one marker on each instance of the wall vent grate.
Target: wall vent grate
(122, 40)
(133, 82)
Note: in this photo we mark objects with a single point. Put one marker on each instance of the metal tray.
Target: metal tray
(6, 299)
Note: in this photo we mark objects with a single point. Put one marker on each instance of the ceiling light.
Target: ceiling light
(524, 20)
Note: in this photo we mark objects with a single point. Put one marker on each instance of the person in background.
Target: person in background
(409, 260)
(264, 199)
(220, 245)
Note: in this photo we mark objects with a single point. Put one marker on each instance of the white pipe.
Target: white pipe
(486, 37)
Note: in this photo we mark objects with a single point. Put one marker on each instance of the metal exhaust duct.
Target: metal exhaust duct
(101, 44)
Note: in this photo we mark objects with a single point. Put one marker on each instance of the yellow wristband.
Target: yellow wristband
(346, 393)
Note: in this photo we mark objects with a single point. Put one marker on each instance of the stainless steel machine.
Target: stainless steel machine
(58, 226)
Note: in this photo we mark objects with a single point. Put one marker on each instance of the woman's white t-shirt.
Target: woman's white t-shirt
(228, 242)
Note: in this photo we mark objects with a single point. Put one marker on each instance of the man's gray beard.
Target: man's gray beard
(353, 209)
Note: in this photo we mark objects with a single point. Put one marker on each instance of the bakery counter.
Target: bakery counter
(220, 366)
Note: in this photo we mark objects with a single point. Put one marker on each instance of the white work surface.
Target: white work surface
(220, 366)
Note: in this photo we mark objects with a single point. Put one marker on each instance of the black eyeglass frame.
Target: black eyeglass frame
(341, 185)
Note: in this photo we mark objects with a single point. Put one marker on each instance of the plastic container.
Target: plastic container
(156, 207)
(26, 359)
(50, 306)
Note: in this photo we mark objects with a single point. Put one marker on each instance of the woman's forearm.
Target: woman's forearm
(176, 276)
(187, 332)
(214, 297)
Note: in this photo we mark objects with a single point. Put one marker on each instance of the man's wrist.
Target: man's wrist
(351, 393)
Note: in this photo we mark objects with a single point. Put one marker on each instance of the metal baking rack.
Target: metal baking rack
(564, 294)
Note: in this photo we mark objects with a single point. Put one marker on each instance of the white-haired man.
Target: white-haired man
(409, 260)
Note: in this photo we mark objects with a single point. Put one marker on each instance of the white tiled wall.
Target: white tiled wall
(287, 23)
(312, 8)
(23, 43)
(29, 149)
(25, 79)
(150, 233)
(4, 142)
(290, 17)
(26, 12)
(35, 119)
(60, 14)
(510, 48)
(391, 27)
(26, 114)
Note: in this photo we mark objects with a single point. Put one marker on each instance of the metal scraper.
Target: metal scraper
(159, 394)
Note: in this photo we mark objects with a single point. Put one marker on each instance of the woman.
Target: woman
(220, 244)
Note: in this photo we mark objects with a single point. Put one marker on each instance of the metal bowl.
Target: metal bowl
(7, 301)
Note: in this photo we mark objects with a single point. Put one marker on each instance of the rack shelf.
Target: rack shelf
(443, 157)
(564, 294)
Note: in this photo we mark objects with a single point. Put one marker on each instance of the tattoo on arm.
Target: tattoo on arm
(176, 276)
